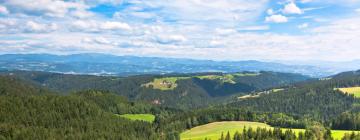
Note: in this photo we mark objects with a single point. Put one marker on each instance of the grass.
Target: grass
(214, 130)
(139, 117)
(166, 83)
(351, 90)
(277, 90)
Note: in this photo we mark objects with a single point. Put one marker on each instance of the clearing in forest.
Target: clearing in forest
(139, 117)
(213, 130)
(351, 90)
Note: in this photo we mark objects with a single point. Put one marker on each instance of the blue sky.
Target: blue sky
(300, 30)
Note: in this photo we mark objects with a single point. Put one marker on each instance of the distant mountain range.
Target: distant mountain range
(104, 64)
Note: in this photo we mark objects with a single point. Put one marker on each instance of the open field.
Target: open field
(214, 130)
(139, 117)
(166, 83)
(351, 90)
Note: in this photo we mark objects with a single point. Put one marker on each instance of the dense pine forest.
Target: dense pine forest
(39, 105)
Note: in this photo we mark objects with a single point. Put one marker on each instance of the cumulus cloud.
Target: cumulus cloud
(32, 26)
(305, 1)
(51, 8)
(99, 26)
(215, 11)
(276, 19)
(255, 28)
(219, 29)
(3, 10)
(291, 8)
(270, 12)
(170, 39)
(222, 31)
(110, 25)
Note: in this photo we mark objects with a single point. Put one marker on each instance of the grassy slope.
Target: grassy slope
(351, 90)
(139, 117)
(214, 130)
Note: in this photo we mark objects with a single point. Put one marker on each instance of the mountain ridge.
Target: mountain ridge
(105, 64)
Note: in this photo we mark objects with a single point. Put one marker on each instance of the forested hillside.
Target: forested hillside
(318, 99)
(85, 115)
(191, 91)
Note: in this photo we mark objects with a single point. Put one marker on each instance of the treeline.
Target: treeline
(315, 133)
(347, 121)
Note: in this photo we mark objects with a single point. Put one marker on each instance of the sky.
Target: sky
(281, 30)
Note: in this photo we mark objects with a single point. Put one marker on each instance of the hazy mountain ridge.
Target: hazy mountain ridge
(103, 64)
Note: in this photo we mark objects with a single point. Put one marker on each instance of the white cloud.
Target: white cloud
(96, 2)
(170, 39)
(304, 25)
(276, 19)
(357, 10)
(102, 40)
(254, 28)
(32, 26)
(51, 8)
(222, 31)
(83, 25)
(3, 10)
(348, 3)
(305, 1)
(291, 8)
(199, 11)
(100, 26)
(270, 12)
(110, 25)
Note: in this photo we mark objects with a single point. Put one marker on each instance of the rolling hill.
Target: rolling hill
(191, 91)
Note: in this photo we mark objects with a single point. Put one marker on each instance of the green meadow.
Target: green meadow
(213, 130)
(351, 90)
(139, 117)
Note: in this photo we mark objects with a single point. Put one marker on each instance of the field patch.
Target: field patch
(139, 117)
(351, 90)
(166, 83)
(213, 130)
